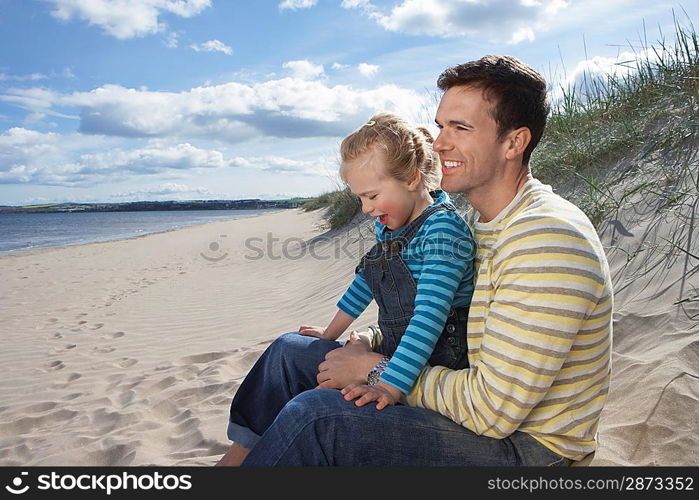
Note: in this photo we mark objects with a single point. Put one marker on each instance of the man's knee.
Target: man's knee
(300, 350)
(287, 343)
(318, 403)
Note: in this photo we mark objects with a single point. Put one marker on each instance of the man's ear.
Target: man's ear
(517, 141)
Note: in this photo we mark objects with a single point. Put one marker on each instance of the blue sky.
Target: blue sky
(123, 100)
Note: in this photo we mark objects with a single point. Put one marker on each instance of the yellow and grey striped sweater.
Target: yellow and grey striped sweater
(539, 329)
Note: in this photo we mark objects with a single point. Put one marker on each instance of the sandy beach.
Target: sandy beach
(128, 352)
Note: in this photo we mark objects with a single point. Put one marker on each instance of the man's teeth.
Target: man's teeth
(452, 164)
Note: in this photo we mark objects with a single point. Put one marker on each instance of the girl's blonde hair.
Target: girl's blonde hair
(407, 149)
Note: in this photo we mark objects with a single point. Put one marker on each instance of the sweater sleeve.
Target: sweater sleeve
(546, 280)
(446, 251)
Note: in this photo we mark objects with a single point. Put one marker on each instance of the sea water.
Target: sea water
(30, 231)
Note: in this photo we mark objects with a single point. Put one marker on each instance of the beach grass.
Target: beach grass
(342, 205)
(604, 133)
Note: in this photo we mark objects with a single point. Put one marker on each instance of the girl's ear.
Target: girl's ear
(517, 141)
(416, 183)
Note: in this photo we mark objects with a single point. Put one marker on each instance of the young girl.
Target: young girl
(420, 272)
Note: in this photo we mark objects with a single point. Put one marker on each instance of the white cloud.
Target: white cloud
(31, 157)
(281, 165)
(297, 4)
(303, 69)
(22, 78)
(36, 100)
(167, 190)
(337, 66)
(150, 160)
(28, 156)
(357, 4)
(68, 73)
(447, 18)
(212, 46)
(172, 40)
(126, 18)
(368, 70)
(231, 112)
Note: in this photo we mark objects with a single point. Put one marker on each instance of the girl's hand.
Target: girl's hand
(384, 394)
(312, 331)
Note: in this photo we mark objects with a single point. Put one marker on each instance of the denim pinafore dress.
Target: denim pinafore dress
(394, 290)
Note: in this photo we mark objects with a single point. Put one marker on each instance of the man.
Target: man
(539, 327)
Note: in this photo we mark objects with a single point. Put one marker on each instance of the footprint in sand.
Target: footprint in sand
(113, 335)
(103, 350)
(56, 350)
(201, 358)
(126, 362)
(66, 381)
(39, 407)
(96, 326)
(54, 365)
(126, 397)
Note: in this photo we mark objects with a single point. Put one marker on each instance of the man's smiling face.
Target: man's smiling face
(472, 155)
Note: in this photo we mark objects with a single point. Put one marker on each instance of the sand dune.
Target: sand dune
(650, 417)
(128, 352)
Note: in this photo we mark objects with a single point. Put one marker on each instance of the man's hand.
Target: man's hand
(312, 331)
(383, 393)
(346, 365)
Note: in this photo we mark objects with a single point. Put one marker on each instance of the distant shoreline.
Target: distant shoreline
(149, 206)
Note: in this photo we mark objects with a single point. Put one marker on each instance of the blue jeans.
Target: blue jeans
(282, 422)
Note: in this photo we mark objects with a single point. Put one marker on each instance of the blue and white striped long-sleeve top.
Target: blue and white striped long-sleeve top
(440, 260)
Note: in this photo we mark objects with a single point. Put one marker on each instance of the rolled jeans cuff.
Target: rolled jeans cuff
(242, 435)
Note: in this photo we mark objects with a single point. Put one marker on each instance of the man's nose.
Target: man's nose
(440, 143)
